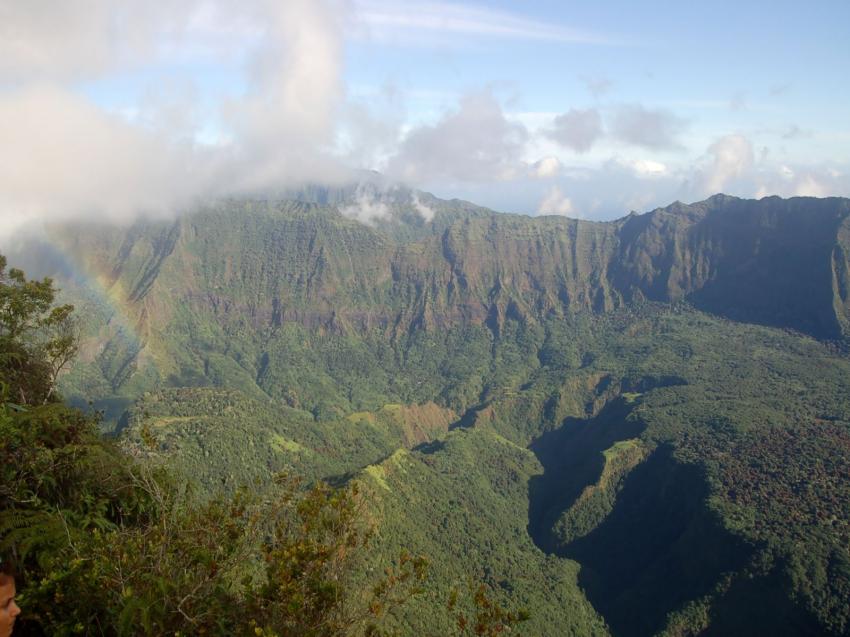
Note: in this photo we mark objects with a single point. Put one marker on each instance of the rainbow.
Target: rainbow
(106, 311)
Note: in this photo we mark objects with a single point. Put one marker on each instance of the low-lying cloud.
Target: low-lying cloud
(74, 143)
(367, 208)
(63, 155)
(59, 154)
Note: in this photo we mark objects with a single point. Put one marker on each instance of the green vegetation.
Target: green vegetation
(640, 427)
(109, 546)
(464, 504)
(36, 339)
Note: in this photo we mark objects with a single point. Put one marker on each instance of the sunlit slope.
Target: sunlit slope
(664, 396)
(463, 502)
(226, 296)
(678, 471)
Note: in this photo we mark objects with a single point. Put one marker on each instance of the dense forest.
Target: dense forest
(278, 420)
(106, 545)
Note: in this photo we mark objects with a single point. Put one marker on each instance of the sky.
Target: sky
(115, 109)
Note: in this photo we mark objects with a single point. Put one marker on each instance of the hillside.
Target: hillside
(635, 427)
(251, 276)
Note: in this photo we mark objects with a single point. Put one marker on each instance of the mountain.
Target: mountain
(633, 427)
(267, 269)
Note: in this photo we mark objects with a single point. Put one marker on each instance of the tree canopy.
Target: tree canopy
(110, 544)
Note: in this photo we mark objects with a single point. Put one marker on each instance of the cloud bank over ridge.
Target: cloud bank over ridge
(127, 108)
(62, 154)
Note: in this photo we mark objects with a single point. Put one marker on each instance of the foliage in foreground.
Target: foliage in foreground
(110, 545)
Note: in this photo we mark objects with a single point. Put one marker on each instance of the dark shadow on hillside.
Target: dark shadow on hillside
(572, 460)
(429, 448)
(658, 548)
(467, 420)
(646, 541)
(760, 605)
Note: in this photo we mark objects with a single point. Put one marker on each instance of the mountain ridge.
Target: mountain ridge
(480, 265)
(577, 373)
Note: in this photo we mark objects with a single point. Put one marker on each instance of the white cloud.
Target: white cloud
(284, 116)
(62, 155)
(546, 168)
(370, 133)
(424, 211)
(63, 39)
(810, 186)
(555, 203)
(49, 41)
(285, 125)
(731, 159)
(475, 143)
(644, 167)
(730, 166)
(368, 208)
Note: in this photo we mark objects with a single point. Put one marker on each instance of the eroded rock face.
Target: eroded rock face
(340, 342)
(256, 266)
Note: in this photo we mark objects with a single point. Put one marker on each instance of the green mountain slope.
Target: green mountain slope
(225, 296)
(639, 426)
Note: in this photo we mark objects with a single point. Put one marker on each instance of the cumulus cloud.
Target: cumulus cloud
(730, 166)
(546, 168)
(650, 128)
(731, 160)
(644, 167)
(811, 186)
(474, 143)
(576, 129)
(71, 143)
(58, 41)
(282, 126)
(371, 132)
(61, 39)
(555, 203)
(802, 181)
(61, 155)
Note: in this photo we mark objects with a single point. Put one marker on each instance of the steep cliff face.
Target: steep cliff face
(773, 261)
(470, 336)
(483, 270)
(841, 276)
(251, 267)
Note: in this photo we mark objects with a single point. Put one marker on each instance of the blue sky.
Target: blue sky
(584, 109)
